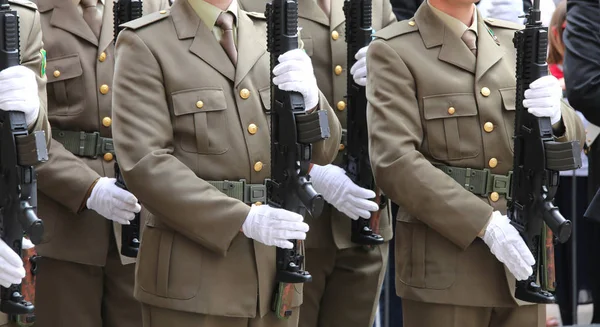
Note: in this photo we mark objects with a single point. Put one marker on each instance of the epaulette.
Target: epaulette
(397, 29)
(503, 24)
(255, 14)
(24, 3)
(147, 20)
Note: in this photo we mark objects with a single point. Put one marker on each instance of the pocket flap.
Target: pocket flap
(265, 97)
(449, 106)
(509, 98)
(198, 100)
(405, 217)
(63, 68)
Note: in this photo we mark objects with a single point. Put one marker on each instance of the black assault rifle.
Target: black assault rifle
(125, 11)
(537, 162)
(19, 152)
(356, 158)
(292, 132)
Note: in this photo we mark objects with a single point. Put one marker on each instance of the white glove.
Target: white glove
(11, 266)
(274, 227)
(508, 10)
(359, 69)
(295, 73)
(508, 246)
(19, 92)
(113, 202)
(331, 181)
(543, 98)
(26, 244)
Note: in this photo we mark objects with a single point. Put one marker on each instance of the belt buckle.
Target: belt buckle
(83, 136)
(254, 193)
(106, 145)
(501, 184)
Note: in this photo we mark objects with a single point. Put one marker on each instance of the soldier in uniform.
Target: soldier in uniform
(441, 91)
(85, 281)
(190, 123)
(23, 88)
(347, 277)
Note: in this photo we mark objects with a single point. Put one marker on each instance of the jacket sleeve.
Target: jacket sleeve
(164, 184)
(582, 62)
(401, 171)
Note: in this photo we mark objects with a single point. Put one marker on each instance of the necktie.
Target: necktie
(325, 6)
(91, 15)
(225, 22)
(470, 39)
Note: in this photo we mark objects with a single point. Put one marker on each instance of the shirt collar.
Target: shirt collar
(456, 26)
(76, 2)
(209, 13)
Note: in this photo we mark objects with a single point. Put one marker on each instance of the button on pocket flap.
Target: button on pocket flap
(265, 97)
(198, 100)
(63, 68)
(509, 98)
(449, 106)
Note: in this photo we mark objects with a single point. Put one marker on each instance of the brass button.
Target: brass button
(338, 70)
(258, 166)
(341, 105)
(104, 89)
(485, 91)
(102, 57)
(451, 111)
(335, 35)
(56, 73)
(494, 196)
(252, 128)
(162, 12)
(342, 147)
(108, 156)
(589, 141)
(106, 121)
(258, 203)
(199, 104)
(493, 163)
(411, 23)
(245, 94)
(488, 127)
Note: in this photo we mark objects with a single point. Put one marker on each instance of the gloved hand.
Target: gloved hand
(508, 246)
(11, 266)
(26, 244)
(359, 69)
(274, 227)
(508, 10)
(295, 73)
(19, 92)
(113, 202)
(331, 181)
(543, 98)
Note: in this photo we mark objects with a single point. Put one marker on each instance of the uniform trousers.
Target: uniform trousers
(72, 294)
(345, 286)
(420, 314)
(160, 317)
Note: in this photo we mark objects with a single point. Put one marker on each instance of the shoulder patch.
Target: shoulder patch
(147, 19)
(397, 29)
(24, 3)
(254, 14)
(503, 24)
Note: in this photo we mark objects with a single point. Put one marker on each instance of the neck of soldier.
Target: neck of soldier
(221, 4)
(459, 9)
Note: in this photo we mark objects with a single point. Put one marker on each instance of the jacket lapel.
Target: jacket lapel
(309, 9)
(204, 46)
(337, 14)
(488, 52)
(251, 46)
(107, 33)
(65, 16)
(434, 33)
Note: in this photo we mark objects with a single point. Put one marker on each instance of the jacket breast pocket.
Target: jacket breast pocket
(452, 126)
(509, 101)
(201, 120)
(66, 90)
